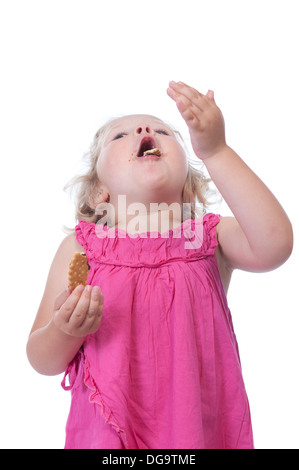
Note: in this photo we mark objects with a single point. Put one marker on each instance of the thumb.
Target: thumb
(61, 298)
(210, 95)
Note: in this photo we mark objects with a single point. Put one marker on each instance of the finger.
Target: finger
(190, 93)
(61, 298)
(189, 112)
(78, 316)
(66, 300)
(67, 308)
(182, 101)
(176, 94)
(189, 90)
(95, 308)
(210, 95)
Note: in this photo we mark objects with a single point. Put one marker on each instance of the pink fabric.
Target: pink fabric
(163, 370)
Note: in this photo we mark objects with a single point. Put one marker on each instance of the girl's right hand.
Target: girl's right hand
(79, 313)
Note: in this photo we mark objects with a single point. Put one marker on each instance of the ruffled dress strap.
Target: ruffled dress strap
(210, 222)
(85, 234)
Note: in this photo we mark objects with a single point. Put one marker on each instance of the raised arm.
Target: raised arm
(64, 319)
(260, 237)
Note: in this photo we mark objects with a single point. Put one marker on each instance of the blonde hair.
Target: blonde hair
(195, 192)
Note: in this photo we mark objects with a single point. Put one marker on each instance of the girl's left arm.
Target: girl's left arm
(260, 237)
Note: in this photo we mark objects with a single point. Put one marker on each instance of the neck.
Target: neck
(155, 221)
(144, 217)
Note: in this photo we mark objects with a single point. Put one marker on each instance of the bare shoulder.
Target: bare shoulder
(232, 243)
(223, 229)
(66, 249)
(236, 252)
(225, 223)
(70, 244)
(224, 267)
(57, 280)
(60, 264)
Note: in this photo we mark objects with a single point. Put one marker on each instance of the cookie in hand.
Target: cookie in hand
(78, 270)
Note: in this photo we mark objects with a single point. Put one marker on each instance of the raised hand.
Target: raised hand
(202, 116)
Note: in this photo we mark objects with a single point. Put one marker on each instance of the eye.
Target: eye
(119, 135)
(162, 131)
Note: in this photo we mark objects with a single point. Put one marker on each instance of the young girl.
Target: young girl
(148, 344)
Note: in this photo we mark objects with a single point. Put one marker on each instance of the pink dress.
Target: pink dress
(163, 370)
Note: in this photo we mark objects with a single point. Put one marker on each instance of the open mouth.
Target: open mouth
(148, 147)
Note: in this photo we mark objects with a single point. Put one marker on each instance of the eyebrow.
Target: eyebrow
(113, 130)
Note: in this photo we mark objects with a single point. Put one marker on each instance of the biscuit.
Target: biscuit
(78, 270)
(152, 152)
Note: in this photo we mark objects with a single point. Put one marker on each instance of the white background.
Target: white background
(67, 66)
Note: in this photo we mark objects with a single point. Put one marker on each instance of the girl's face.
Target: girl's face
(151, 179)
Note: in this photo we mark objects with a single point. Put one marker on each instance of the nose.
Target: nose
(143, 128)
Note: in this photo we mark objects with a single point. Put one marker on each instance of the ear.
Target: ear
(99, 196)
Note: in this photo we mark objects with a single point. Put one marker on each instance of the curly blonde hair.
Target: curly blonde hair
(195, 192)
